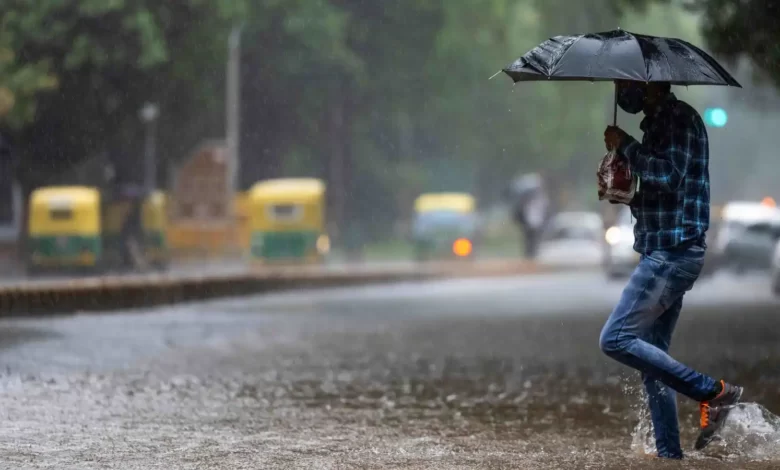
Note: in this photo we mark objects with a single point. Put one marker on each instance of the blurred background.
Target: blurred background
(195, 102)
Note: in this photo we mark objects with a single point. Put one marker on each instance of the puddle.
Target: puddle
(751, 431)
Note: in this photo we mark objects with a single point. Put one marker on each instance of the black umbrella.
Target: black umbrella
(619, 55)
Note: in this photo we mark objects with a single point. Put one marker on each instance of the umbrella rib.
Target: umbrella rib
(566, 52)
(666, 59)
(713, 64)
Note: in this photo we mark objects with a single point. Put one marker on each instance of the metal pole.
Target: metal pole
(150, 157)
(614, 106)
(148, 115)
(336, 171)
(232, 114)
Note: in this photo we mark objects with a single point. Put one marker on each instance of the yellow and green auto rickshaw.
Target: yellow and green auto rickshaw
(445, 226)
(64, 229)
(154, 218)
(287, 221)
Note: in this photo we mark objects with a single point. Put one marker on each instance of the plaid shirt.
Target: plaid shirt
(672, 205)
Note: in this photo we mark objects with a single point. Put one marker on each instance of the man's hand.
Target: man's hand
(613, 137)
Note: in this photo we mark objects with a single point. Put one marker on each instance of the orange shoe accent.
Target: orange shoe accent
(722, 388)
(704, 414)
(704, 407)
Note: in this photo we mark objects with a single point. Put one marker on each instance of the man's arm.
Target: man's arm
(662, 171)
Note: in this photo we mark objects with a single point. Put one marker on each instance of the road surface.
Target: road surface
(493, 373)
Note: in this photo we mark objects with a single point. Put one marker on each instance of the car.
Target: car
(775, 270)
(747, 236)
(572, 237)
(620, 259)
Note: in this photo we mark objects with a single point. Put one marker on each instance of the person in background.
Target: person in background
(671, 205)
(531, 209)
(131, 235)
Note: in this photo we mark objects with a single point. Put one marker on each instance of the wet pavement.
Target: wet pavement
(493, 373)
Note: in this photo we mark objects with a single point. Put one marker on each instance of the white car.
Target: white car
(572, 238)
(747, 235)
(775, 270)
(620, 259)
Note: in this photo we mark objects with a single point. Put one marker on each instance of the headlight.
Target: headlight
(462, 247)
(613, 235)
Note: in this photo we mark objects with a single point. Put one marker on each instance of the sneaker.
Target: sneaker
(715, 411)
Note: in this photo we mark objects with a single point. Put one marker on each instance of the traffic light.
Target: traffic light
(715, 117)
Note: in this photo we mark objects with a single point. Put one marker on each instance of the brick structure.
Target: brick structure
(199, 192)
(202, 222)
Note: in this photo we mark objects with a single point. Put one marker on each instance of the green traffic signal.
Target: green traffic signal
(715, 117)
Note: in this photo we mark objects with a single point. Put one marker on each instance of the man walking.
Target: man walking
(672, 210)
(531, 211)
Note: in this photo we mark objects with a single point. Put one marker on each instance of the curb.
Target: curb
(121, 293)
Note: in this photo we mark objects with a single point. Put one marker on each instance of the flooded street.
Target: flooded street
(493, 373)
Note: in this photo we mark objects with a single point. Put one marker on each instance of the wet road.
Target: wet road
(495, 373)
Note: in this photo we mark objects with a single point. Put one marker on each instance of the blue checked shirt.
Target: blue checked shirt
(672, 206)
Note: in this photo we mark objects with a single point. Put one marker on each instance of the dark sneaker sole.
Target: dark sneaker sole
(709, 435)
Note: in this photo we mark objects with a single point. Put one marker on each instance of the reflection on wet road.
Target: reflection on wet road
(495, 373)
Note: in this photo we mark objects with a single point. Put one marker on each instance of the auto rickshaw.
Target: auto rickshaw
(64, 229)
(445, 225)
(155, 225)
(287, 221)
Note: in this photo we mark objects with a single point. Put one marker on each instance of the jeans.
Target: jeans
(639, 330)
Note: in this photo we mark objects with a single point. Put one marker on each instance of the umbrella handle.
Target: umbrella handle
(614, 109)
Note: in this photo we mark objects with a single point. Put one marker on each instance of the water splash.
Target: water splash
(642, 438)
(750, 431)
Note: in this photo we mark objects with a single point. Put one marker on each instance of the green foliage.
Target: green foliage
(400, 90)
(80, 70)
(747, 28)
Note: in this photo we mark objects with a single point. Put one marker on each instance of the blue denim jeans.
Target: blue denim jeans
(639, 330)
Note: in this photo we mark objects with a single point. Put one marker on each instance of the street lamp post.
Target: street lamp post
(233, 112)
(148, 114)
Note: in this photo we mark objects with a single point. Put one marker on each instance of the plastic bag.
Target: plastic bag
(615, 181)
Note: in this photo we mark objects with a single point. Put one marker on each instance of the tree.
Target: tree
(383, 99)
(100, 60)
(746, 28)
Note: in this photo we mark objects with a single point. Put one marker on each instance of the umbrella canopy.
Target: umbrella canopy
(619, 55)
(526, 183)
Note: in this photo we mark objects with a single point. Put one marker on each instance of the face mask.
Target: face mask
(631, 99)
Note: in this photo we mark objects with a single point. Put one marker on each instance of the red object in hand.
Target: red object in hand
(616, 183)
